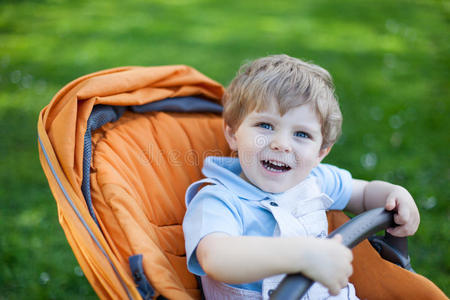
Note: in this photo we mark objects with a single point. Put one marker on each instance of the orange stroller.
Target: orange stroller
(119, 148)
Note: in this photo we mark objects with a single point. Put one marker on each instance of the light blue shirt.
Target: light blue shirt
(231, 205)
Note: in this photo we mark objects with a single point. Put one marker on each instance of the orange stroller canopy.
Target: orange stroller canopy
(119, 148)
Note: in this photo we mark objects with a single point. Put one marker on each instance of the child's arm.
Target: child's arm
(245, 259)
(368, 195)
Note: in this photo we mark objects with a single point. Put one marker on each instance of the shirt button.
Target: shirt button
(270, 292)
(273, 203)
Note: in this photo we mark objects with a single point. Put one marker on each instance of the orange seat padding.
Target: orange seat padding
(141, 168)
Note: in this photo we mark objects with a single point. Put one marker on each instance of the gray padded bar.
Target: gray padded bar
(181, 104)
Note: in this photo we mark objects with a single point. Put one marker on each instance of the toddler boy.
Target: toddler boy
(263, 214)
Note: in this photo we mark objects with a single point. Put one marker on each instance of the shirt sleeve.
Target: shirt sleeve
(211, 210)
(336, 183)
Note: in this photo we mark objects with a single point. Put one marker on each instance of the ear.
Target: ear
(323, 152)
(230, 136)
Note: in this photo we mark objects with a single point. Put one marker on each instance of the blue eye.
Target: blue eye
(265, 126)
(301, 134)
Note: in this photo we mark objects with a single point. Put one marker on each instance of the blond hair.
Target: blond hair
(289, 82)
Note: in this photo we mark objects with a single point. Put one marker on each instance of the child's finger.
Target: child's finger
(337, 238)
(403, 230)
(391, 203)
(402, 215)
(399, 219)
(397, 231)
(349, 271)
(335, 290)
(343, 283)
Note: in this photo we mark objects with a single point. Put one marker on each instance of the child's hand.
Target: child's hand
(407, 215)
(369, 195)
(329, 262)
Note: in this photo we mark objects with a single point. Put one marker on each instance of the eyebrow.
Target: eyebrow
(263, 115)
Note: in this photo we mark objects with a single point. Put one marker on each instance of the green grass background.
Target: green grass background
(389, 59)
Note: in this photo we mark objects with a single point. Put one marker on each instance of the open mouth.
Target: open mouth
(275, 166)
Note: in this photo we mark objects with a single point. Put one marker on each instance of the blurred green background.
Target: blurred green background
(389, 59)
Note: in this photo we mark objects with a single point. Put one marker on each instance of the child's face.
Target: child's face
(278, 152)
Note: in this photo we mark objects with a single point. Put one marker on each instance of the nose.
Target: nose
(280, 143)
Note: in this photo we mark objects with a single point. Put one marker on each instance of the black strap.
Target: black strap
(137, 270)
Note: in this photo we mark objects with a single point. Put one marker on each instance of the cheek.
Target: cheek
(306, 157)
(250, 140)
(260, 141)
